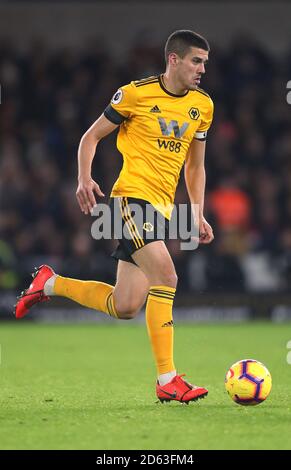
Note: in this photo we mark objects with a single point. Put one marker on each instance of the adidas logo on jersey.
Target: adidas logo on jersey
(155, 109)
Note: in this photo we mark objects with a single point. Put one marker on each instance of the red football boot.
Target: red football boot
(180, 390)
(34, 294)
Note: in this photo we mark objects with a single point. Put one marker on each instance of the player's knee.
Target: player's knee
(127, 311)
(166, 278)
(171, 280)
(127, 314)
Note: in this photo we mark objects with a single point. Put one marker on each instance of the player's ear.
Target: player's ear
(173, 58)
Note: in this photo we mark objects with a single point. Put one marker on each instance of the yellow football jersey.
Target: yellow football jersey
(156, 129)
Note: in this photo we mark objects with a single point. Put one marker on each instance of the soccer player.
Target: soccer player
(163, 122)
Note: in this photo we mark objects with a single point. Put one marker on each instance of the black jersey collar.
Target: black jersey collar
(162, 85)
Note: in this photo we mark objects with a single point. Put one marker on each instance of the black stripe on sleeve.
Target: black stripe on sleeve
(113, 116)
(201, 140)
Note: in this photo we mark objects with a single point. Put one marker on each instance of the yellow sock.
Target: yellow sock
(159, 319)
(92, 294)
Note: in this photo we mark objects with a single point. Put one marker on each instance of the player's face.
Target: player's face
(191, 68)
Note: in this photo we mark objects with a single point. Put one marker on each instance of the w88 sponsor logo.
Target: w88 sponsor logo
(171, 145)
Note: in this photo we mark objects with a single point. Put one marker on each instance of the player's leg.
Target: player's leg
(128, 295)
(156, 263)
(122, 301)
(93, 294)
(130, 291)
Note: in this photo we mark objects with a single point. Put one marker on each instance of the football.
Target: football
(248, 382)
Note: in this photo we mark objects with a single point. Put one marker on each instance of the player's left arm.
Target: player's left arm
(195, 179)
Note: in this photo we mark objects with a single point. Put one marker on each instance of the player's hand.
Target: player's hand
(205, 232)
(85, 194)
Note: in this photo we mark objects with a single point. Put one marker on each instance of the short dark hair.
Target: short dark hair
(180, 42)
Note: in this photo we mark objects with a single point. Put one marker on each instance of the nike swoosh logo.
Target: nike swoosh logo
(172, 395)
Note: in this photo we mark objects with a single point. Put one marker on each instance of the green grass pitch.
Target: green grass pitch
(92, 387)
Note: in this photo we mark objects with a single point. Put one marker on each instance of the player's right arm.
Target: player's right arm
(121, 107)
(87, 148)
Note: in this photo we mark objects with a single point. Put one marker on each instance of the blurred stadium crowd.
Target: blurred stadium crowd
(50, 98)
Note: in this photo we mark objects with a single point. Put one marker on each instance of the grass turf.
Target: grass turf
(92, 387)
